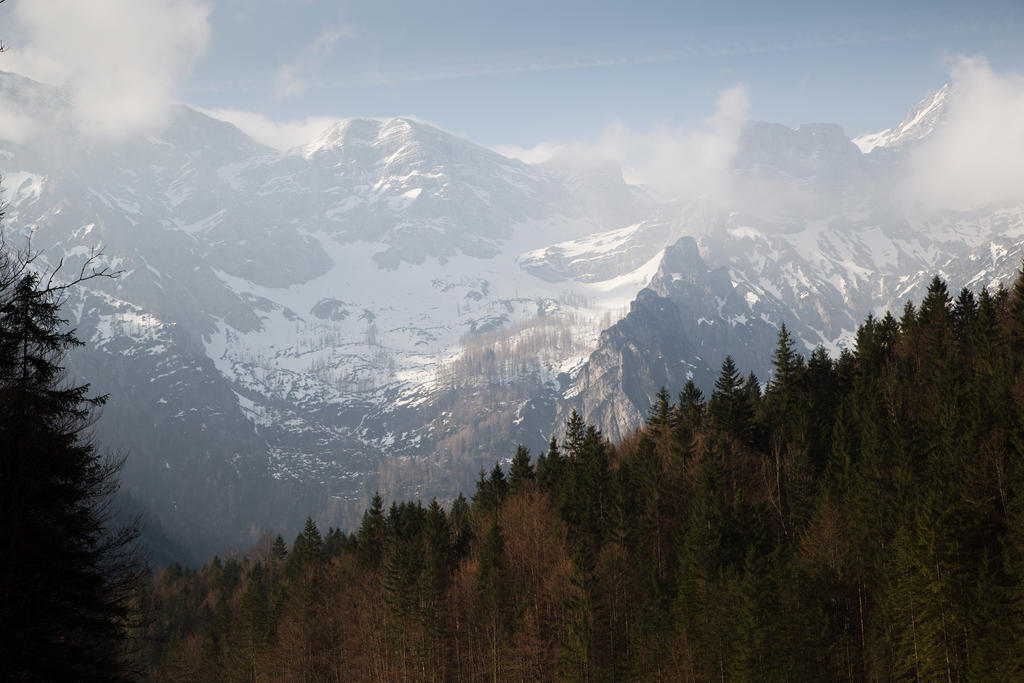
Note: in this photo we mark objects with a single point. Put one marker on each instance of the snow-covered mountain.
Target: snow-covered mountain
(918, 124)
(815, 235)
(392, 306)
(284, 322)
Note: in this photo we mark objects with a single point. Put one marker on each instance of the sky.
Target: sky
(509, 75)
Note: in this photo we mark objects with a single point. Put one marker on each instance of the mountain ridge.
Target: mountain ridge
(392, 307)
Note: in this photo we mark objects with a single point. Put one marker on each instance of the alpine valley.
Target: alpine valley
(390, 307)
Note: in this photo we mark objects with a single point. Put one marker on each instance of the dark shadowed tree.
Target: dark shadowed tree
(67, 577)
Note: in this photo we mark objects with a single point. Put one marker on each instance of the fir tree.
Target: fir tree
(370, 538)
(660, 412)
(68, 576)
(498, 483)
(730, 404)
(575, 430)
(785, 361)
(520, 471)
(549, 467)
(691, 404)
(279, 549)
(964, 314)
(306, 548)
(459, 524)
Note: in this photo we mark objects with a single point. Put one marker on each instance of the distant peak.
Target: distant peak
(345, 133)
(354, 133)
(919, 122)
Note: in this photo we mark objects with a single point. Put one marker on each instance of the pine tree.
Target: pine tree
(909, 318)
(306, 548)
(1015, 317)
(459, 523)
(334, 542)
(785, 361)
(490, 491)
(935, 306)
(660, 412)
(499, 484)
(67, 577)
(370, 538)
(520, 471)
(492, 596)
(574, 433)
(433, 580)
(279, 549)
(549, 467)
(964, 314)
(691, 404)
(730, 403)
(579, 653)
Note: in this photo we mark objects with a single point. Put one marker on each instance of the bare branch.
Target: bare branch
(53, 274)
(88, 271)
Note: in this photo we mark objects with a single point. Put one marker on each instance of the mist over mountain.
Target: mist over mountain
(392, 307)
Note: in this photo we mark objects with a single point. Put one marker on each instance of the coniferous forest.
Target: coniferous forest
(850, 518)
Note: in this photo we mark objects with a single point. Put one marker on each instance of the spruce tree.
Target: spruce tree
(459, 523)
(660, 412)
(306, 548)
(370, 539)
(691, 404)
(499, 484)
(965, 313)
(279, 549)
(67, 576)
(549, 467)
(520, 471)
(730, 402)
(785, 360)
(574, 432)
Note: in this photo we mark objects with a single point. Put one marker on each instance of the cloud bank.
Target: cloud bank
(976, 156)
(281, 135)
(120, 60)
(672, 162)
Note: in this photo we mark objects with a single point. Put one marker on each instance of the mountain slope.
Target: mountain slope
(814, 235)
(275, 336)
(392, 307)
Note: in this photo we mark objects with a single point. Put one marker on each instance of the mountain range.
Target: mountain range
(391, 307)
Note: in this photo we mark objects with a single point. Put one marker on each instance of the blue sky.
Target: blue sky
(503, 74)
(521, 73)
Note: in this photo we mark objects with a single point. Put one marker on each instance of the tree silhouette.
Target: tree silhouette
(68, 577)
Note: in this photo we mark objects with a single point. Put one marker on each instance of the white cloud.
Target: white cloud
(671, 161)
(281, 135)
(15, 126)
(543, 152)
(976, 157)
(120, 60)
(292, 78)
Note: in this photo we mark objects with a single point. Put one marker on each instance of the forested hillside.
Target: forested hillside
(852, 518)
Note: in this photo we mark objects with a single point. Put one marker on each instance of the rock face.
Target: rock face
(813, 235)
(680, 327)
(393, 307)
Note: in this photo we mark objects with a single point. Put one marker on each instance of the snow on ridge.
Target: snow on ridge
(919, 123)
(21, 186)
(593, 244)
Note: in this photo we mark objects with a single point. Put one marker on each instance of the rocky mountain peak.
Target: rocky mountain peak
(919, 122)
(806, 152)
(681, 257)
